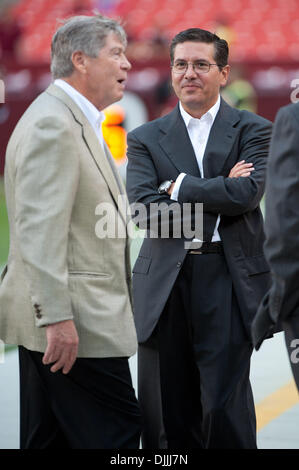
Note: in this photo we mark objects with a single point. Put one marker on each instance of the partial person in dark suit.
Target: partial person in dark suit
(194, 307)
(281, 303)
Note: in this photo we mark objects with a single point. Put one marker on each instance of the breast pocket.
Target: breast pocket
(142, 265)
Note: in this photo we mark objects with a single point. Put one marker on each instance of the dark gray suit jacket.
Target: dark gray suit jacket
(281, 304)
(160, 150)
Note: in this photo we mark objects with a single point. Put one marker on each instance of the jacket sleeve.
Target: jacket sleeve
(282, 212)
(142, 176)
(281, 227)
(234, 196)
(47, 169)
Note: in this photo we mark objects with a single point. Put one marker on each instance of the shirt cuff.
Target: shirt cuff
(175, 192)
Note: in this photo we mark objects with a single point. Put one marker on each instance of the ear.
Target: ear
(79, 60)
(224, 75)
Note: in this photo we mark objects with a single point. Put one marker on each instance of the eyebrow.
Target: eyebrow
(117, 49)
(194, 60)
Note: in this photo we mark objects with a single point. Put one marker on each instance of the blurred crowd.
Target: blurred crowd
(149, 54)
(10, 35)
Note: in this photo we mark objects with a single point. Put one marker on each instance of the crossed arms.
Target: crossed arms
(236, 193)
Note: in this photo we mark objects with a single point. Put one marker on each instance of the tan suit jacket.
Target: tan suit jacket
(56, 174)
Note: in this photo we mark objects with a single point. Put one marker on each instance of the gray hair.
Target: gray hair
(81, 33)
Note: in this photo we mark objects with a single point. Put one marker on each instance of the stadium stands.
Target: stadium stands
(265, 30)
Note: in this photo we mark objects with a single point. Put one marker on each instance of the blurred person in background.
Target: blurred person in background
(65, 293)
(281, 303)
(239, 92)
(222, 28)
(194, 307)
(10, 35)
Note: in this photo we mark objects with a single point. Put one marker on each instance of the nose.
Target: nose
(190, 71)
(126, 64)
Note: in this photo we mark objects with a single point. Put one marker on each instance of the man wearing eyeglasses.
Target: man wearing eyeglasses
(194, 302)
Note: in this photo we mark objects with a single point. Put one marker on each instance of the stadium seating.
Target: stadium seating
(266, 30)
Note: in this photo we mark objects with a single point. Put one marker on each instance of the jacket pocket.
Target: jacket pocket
(257, 265)
(88, 274)
(142, 265)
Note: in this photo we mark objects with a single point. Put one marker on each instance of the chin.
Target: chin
(118, 96)
(192, 103)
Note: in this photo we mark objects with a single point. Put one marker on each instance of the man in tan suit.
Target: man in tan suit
(65, 293)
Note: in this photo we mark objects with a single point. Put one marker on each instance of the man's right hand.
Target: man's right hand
(241, 169)
(62, 348)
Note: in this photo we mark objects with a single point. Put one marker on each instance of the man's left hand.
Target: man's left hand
(62, 349)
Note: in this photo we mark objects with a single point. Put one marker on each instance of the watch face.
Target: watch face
(164, 186)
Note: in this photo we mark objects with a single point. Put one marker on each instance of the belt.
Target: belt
(207, 248)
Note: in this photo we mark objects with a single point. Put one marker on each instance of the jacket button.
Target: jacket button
(179, 264)
(38, 315)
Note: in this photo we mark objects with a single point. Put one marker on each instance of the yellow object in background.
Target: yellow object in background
(114, 133)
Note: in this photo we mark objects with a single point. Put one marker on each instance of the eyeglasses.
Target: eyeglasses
(199, 66)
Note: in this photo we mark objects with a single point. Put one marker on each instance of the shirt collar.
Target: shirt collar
(210, 114)
(94, 116)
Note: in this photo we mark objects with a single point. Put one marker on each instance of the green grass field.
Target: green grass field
(4, 233)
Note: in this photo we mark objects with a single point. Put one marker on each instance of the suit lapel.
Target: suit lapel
(221, 139)
(176, 143)
(93, 144)
(100, 158)
(123, 203)
(114, 169)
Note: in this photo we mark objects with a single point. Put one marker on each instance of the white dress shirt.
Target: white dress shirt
(198, 130)
(93, 115)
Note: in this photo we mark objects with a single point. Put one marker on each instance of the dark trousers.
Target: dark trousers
(92, 407)
(194, 388)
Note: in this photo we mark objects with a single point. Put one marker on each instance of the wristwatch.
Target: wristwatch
(164, 187)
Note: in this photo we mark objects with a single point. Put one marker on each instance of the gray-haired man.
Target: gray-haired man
(65, 294)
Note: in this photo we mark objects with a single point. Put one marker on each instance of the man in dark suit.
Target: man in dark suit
(281, 303)
(193, 307)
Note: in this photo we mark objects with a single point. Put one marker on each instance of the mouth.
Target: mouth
(122, 81)
(191, 85)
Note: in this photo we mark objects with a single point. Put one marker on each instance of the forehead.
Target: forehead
(192, 50)
(113, 41)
